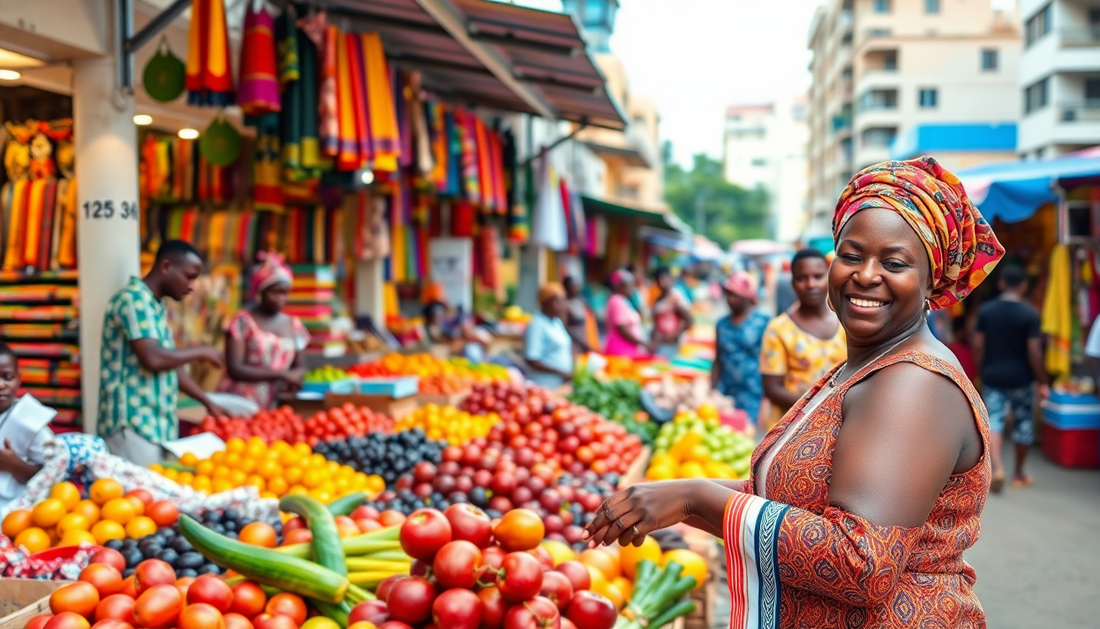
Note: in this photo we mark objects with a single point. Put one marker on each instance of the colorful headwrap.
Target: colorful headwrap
(549, 291)
(621, 275)
(741, 284)
(272, 270)
(961, 246)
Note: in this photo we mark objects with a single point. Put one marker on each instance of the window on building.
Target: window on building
(1092, 93)
(759, 162)
(879, 137)
(882, 6)
(931, 6)
(1038, 25)
(890, 61)
(990, 59)
(1035, 96)
(928, 97)
(878, 32)
(878, 99)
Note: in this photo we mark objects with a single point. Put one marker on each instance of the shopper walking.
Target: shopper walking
(738, 340)
(625, 335)
(579, 320)
(671, 315)
(862, 502)
(1008, 354)
(264, 346)
(547, 347)
(142, 372)
(803, 343)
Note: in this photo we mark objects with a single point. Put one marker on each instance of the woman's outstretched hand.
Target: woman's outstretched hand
(631, 514)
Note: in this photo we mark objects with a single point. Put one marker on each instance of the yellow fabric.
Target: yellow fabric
(1057, 322)
(17, 226)
(800, 357)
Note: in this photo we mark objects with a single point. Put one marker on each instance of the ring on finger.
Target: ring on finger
(619, 522)
(607, 512)
(634, 529)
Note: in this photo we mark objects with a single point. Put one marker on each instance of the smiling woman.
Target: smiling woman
(864, 497)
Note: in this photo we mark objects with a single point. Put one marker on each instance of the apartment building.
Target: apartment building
(766, 145)
(1059, 77)
(893, 79)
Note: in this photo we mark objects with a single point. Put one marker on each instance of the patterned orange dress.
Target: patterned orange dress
(796, 561)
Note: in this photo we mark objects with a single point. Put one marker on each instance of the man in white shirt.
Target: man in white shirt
(24, 430)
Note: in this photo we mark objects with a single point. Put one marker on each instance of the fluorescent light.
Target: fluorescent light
(188, 134)
(9, 75)
(367, 177)
(143, 119)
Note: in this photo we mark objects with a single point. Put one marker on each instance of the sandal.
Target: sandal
(1020, 483)
(997, 484)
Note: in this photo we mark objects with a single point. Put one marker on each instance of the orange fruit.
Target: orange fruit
(313, 478)
(120, 510)
(106, 530)
(75, 538)
(141, 526)
(16, 522)
(73, 522)
(277, 486)
(624, 585)
(139, 504)
(189, 459)
(219, 485)
(88, 509)
(268, 469)
(67, 493)
(694, 564)
(204, 468)
(235, 444)
(630, 556)
(238, 478)
(105, 489)
(34, 539)
(601, 560)
(292, 475)
(48, 513)
(258, 534)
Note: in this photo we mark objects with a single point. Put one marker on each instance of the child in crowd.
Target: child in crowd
(24, 430)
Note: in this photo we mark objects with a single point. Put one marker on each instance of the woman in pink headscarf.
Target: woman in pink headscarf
(625, 335)
(263, 345)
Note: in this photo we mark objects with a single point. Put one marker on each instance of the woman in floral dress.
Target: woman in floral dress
(862, 501)
(263, 345)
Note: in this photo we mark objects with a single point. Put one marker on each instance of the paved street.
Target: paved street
(1038, 559)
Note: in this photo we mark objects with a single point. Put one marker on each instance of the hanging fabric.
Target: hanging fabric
(266, 190)
(259, 86)
(1057, 320)
(549, 225)
(209, 77)
(437, 118)
(385, 143)
(328, 107)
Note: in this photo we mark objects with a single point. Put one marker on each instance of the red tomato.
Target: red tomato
(141, 494)
(493, 607)
(200, 616)
(592, 611)
(67, 620)
(424, 533)
(80, 598)
(236, 621)
(105, 578)
(410, 600)
(522, 577)
(128, 587)
(456, 565)
(110, 557)
(211, 590)
(117, 607)
(457, 609)
(158, 607)
(374, 612)
(38, 622)
(112, 623)
(152, 572)
(557, 588)
(384, 587)
(249, 599)
(289, 605)
(470, 523)
(163, 512)
(535, 613)
(273, 621)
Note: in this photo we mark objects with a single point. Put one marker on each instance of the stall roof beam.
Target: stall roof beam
(131, 42)
(454, 23)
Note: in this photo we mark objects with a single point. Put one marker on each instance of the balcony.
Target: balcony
(1080, 36)
(1089, 111)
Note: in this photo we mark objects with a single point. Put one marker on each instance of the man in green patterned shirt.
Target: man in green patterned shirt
(141, 371)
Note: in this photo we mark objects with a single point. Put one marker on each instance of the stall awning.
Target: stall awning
(1013, 191)
(490, 54)
(651, 217)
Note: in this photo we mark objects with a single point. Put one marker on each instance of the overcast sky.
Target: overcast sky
(696, 57)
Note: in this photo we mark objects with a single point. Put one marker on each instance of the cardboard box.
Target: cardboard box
(23, 599)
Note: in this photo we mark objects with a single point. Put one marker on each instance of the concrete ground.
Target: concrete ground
(1038, 558)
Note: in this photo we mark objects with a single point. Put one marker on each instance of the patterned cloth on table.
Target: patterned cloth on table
(263, 349)
(129, 395)
(795, 560)
(800, 357)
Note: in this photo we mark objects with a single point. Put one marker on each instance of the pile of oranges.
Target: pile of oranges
(66, 518)
(275, 470)
(448, 423)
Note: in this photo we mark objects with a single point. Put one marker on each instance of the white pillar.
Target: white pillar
(108, 238)
(369, 298)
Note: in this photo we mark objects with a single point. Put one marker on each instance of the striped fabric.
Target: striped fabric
(751, 534)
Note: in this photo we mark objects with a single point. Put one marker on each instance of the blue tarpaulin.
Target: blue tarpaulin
(1014, 191)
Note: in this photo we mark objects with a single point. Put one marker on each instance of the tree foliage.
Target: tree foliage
(731, 212)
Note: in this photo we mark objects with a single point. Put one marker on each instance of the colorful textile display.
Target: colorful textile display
(259, 87)
(384, 145)
(38, 224)
(209, 76)
(1057, 315)
(299, 64)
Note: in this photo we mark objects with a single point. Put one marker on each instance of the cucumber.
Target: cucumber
(347, 504)
(325, 545)
(266, 567)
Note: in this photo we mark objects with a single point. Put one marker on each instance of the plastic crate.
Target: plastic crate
(1072, 447)
(336, 386)
(1073, 399)
(395, 388)
(1072, 416)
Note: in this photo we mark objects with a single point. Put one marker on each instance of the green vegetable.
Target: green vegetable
(658, 597)
(347, 504)
(264, 566)
(325, 545)
(380, 541)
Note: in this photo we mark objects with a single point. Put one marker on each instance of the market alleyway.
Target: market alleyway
(1038, 554)
(1037, 559)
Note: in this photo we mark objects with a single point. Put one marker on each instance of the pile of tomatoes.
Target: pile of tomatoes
(343, 422)
(154, 598)
(274, 425)
(539, 429)
(371, 370)
(471, 574)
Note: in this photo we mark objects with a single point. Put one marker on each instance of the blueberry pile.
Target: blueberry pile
(170, 546)
(388, 456)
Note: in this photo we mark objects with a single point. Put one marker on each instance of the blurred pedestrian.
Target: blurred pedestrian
(547, 346)
(785, 296)
(579, 320)
(1008, 353)
(671, 315)
(625, 335)
(738, 340)
(802, 344)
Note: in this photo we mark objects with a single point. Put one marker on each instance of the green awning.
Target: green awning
(650, 217)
